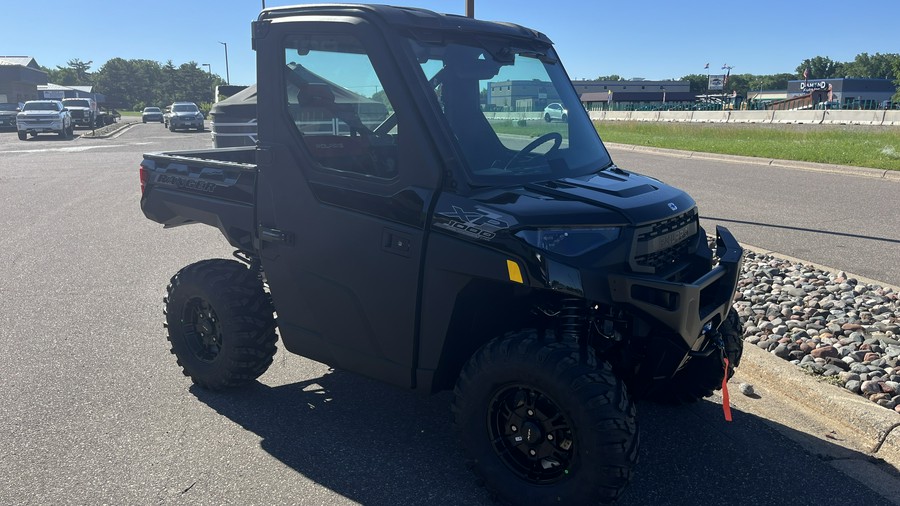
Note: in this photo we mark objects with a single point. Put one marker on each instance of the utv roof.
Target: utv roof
(411, 18)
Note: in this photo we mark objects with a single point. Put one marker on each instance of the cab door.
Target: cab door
(346, 181)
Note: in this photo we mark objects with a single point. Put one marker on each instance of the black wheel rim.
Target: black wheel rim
(530, 434)
(202, 331)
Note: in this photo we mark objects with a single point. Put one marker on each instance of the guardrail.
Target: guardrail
(810, 116)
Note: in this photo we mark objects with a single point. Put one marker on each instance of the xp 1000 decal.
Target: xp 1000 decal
(478, 223)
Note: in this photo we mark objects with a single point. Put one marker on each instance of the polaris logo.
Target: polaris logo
(672, 206)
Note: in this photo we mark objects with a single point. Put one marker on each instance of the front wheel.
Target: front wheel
(220, 323)
(23, 135)
(544, 423)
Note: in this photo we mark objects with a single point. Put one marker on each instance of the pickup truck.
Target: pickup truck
(41, 116)
(401, 232)
(8, 113)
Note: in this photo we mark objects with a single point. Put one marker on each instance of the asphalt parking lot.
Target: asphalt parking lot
(96, 411)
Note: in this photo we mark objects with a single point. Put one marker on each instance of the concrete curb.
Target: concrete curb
(891, 175)
(870, 424)
(875, 429)
(115, 129)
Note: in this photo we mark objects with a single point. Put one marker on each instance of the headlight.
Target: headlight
(569, 242)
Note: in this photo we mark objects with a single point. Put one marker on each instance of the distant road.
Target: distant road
(844, 221)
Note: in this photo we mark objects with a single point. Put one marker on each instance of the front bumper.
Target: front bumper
(38, 126)
(186, 123)
(686, 308)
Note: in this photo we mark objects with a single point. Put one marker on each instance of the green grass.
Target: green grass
(861, 146)
(130, 113)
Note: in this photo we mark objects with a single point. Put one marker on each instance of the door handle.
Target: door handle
(268, 234)
(396, 242)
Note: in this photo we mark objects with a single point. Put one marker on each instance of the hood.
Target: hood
(609, 197)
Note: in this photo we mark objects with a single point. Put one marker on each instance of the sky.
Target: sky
(648, 39)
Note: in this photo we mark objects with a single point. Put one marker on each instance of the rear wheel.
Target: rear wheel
(702, 376)
(544, 423)
(220, 323)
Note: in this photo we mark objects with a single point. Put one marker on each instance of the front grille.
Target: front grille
(663, 243)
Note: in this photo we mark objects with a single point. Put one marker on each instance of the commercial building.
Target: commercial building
(59, 92)
(847, 92)
(526, 96)
(19, 78)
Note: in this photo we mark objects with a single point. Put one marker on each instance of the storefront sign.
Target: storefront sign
(814, 85)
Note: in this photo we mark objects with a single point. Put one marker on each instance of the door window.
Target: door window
(339, 106)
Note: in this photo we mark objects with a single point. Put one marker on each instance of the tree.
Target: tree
(820, 67)
(699, 83)
(80, 69)
(896, 68)
(613, 77)
(136, 83)
(877, 66)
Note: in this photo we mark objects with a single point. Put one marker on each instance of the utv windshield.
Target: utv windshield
(76, 103)
(513, 111)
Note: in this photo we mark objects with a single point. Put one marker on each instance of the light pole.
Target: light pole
(209, 74)
(227, 75)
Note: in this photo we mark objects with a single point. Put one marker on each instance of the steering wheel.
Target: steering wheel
(556, 137)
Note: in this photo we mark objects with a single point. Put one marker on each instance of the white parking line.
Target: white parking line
(75, 149)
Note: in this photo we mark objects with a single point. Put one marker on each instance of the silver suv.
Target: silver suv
(184, 115)
(40, 116)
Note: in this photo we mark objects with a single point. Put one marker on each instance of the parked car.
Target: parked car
(184, 115)
(8, 113)
(152, 114)
(40, 116)
(555, 111)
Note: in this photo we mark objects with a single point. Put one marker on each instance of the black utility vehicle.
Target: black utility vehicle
(403, 232)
